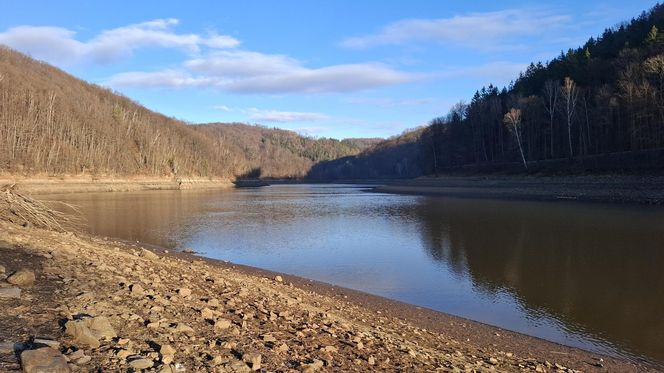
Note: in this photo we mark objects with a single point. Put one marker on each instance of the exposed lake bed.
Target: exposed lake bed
(553, 270)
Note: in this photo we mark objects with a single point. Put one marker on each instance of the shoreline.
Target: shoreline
(84, 184)
(481, 346)
(621, 189)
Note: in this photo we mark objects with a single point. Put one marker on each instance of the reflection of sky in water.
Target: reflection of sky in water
(518, 265)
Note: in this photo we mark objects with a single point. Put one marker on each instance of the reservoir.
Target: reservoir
(584, 275)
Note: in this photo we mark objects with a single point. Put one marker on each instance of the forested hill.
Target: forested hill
(596, 107)
(52, 123)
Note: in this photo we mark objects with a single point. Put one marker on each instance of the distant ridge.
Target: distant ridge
(53, 123)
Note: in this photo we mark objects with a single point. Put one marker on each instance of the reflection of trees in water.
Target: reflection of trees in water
(591, 267)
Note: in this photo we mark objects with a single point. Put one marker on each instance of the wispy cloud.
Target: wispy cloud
(59, 45)
(489, 30)
(241, 71)
(284, 116)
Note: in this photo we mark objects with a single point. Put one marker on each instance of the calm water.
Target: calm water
(583, 275)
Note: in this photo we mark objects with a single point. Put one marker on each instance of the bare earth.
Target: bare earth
(648, 190)
(170, 312)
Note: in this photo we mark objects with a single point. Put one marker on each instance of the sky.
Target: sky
(342, 68)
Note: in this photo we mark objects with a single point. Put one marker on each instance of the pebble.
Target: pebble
(12, 292)
(141, 363)
(22, 277)
(253, 359)
(184, 292)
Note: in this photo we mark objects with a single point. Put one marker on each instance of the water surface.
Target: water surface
(585, 275)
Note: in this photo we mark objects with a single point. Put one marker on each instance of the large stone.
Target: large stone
(141, 363)
(12, 292)
(44, 360)
(147, 254)
(167, 350)
(184, 292)
(90, 330)
(23, 277)
(253, 359)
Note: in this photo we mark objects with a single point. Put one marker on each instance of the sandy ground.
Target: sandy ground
(82, 184)
(172, 312)
(606, 188)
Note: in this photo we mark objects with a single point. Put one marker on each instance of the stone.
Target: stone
(167, 350)
(46, 342)
(269, 338)
(207, 314)
(222, 324)
(278, 279)
(493, 361)
(44, 360)
(137, 289)
(2, 269)
(22, 277)
(184, 292)
(141, 363)
(185, 329)
(83, 360)
(90, 330)
(12, 292)
(253, 359)
(314, 366)
(371, 360)
(282, 348)
(147, 254)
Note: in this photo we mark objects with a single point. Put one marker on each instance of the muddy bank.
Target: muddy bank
(646, 190)
(82, 184)
(175, 312)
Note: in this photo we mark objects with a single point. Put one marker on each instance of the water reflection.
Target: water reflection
(598, 269)
(583, 275)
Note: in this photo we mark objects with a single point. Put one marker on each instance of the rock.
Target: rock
(90, 330)
(137, 289)
(371, 360)
(141, 363)
(253, 359)
(278, 279)
(12, 292)
(493, 361)
(2, 269)
(46, 342)
(282, 348)
(207, 314)
(123, 354)
(185, 329)
(312, 367)
(184, 292)
(269, 338)
(147, 254)
(222, 324)
(23, 277)
(44, 360)
(83, 360)
(167, 350)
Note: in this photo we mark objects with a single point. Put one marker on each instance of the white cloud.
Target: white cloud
(223, 108)
(284, 116)
(253, 72)
(478, 30)
(59, 46)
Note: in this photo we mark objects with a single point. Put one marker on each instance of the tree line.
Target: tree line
(54, 124)
(605, 98)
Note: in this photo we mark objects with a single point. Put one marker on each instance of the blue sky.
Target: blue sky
(323, 68)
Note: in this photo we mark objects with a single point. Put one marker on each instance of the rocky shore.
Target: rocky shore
(630, 189)
(71, 302)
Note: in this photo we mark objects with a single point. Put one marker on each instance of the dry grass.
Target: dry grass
(21, 209)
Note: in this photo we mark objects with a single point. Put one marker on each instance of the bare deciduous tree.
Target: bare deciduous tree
(570, 94)
(551, 94)
(513, 121)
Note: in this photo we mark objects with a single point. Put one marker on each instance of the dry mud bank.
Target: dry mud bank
(81, 184)
(105, 306)
(647, 190)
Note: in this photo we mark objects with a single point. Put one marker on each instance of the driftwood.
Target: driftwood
(21, 209)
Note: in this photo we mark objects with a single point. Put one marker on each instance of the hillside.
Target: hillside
(53, 123)
(599, 107)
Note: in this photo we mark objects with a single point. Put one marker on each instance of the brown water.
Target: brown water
(584, 275)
